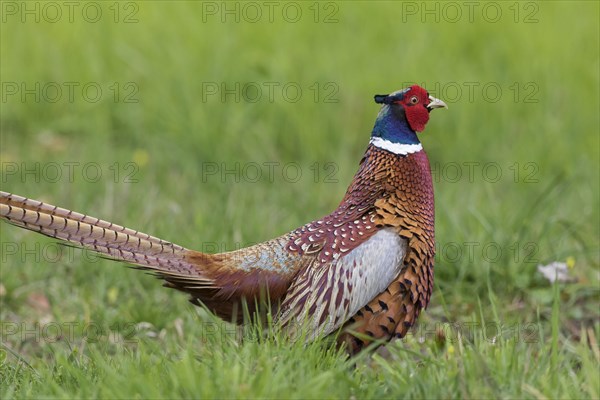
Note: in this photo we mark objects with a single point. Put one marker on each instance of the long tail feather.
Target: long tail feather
(114, 241)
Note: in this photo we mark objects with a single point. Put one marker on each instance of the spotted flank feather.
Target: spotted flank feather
(329, 293)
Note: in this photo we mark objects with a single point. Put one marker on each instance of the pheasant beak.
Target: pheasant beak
(435, 103)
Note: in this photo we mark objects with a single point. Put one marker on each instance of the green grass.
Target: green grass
(494, 329)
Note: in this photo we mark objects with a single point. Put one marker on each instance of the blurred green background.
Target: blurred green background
(148, 105)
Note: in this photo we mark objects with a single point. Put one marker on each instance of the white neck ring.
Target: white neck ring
(396, 148)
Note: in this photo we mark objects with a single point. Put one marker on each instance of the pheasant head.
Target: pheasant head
(403, 114)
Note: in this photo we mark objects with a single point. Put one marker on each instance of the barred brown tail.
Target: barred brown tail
(166, 259)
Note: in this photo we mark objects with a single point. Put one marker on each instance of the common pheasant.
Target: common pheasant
(366, 268)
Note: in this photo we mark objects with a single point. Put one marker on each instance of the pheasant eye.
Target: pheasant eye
(414, 100)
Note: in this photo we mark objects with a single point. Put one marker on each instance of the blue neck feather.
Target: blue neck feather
(391, 125)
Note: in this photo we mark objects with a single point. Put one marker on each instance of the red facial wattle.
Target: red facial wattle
(417, 114)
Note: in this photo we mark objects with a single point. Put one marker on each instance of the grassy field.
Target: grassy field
(219, 125)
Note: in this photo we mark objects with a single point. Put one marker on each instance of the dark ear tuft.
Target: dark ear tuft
(382, 99)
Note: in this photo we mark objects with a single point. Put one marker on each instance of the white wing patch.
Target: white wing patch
(322, 298)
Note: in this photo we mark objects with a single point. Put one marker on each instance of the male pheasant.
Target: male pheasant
(366, 268)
